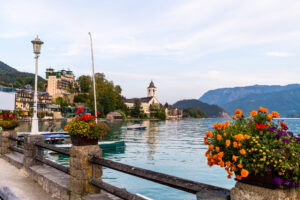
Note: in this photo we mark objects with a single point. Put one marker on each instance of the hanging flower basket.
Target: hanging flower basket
(256, 149)
(8, 121)
(84, 130)
(77, 140)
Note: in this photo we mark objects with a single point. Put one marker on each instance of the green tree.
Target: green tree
(108, 96)
(62, 102)
(157, 111)
(136, 110)
(80, 98)
(84, 83)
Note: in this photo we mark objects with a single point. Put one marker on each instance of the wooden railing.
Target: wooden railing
(164, 179)
(55, 165)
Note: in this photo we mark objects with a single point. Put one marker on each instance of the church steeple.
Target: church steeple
(151, 90)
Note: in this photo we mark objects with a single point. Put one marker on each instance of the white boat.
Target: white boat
(136, 127)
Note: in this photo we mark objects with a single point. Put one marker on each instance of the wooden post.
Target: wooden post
(81, 170)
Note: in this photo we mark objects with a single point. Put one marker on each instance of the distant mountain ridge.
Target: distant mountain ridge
(284, 99)
(209, 110)
(225, 95)
(8, 75)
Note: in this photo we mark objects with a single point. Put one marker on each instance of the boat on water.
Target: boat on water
(109, 145)
(137, 125)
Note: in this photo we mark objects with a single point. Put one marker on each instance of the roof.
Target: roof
(115, 114)
(142, 100)
(151, 85)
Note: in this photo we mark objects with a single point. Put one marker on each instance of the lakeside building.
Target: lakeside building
(174, 113)
(59, 82)
(145, 101)
(24, 101)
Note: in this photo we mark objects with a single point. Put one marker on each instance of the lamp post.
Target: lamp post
(37, 44)
(93, 71)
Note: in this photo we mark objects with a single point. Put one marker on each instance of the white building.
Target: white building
(145, 101)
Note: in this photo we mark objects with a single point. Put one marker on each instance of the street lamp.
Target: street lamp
(37, 44)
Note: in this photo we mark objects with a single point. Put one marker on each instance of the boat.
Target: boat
(136, 127)
(103, 145)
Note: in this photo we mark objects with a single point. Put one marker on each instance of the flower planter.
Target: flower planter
(266, 181)
(82, 141)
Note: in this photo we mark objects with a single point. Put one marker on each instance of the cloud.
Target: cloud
(279, 54)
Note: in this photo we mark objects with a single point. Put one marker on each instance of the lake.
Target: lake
(171, 147)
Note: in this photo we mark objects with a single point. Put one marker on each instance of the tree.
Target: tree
(136, 110)
(84, 83)
(157, 111)
(80, 98)
(62, 102)
(108, 96)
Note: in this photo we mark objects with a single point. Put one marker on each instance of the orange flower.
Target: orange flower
(229, 172)
(220, 155)
(238, 177)
(240, 166)
(247, 137)
(226, 124)
(234, 158)
(238, 112)
(234, 144)
(227, 143)
(239, 137)
(225, 134)
(207, 154)
(240, 144)
(215, 125)
(209, 134)
(205, 141)
(211, 147)
(243, 152)
(209, 163)
(263, 110)
(228, 163)
(221, 163)
(275, 114)
(217, 149)
(229, 176)
(244, 173)
(219, 137)
(253, 113)
(233, 168)
(270, 117)
(233, 117)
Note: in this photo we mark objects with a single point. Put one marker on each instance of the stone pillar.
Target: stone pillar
(81, 170)
(30, 150)
(5, 142)
(242, 191)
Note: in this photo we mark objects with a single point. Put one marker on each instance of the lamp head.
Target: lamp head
(37, 44)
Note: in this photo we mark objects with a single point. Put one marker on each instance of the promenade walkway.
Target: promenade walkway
(21, 185)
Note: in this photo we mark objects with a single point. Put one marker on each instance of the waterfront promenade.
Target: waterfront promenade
(20, 184)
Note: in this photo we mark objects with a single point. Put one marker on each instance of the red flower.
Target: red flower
(260, 126)
(98, 113)
(79, 110)
(284, 126)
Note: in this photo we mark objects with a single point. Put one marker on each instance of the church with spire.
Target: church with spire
(145, 101)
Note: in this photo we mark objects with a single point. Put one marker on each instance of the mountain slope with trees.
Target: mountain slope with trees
(11, 77)
(223, 96)
(287, 103)
(209, 110)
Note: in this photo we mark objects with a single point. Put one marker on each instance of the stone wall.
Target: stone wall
(243, 191)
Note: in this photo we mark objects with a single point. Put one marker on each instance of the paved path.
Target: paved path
(21, 185)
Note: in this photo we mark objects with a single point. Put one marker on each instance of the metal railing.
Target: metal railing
(164, 179)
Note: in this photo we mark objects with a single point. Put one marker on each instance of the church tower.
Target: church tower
(151, 90)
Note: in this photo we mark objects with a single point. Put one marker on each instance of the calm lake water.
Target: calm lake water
(171, 147)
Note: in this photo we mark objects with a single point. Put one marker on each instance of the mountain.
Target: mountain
(209, 110)
(286, 102)
(223, 96)
(10, 76)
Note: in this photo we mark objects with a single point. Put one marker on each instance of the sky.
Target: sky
(186, 47)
